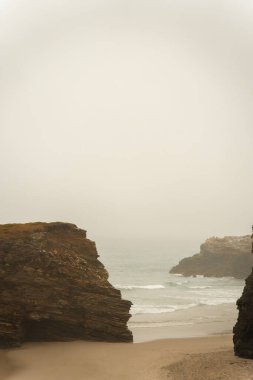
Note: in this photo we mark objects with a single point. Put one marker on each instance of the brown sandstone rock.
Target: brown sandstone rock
(219, 257)
(243, 329)
(53, 287)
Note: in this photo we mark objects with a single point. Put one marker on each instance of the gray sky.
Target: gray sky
(128, 118)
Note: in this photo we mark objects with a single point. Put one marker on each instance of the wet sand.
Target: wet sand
(178, 359)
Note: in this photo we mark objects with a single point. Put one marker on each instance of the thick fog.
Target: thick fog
(128, 118)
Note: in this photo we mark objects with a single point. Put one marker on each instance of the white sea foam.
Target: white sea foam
(199, 287)
(158, 309)
(130, 287)
(217, 301)
(158, 324)
(177, 283)
(144, 309)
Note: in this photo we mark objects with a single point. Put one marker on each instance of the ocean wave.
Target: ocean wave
(200, 287)
(158, 309)
(158, 324)
(131, 287)
(177, 283)
(217, 301)
(150, 310)
(227, 279)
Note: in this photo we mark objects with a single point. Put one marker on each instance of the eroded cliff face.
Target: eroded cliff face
(53, 287)
(219, 257)
(243, 329)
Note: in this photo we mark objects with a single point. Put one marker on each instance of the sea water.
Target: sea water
(140, 270)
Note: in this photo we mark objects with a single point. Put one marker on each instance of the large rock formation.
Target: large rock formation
(53, 288)
(243, 329)
(219, 257)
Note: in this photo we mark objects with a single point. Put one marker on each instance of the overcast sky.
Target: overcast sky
(128, 117)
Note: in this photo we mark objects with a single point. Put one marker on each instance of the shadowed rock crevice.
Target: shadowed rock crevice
(54, 288)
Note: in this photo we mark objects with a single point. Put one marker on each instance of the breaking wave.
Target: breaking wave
(131, 287)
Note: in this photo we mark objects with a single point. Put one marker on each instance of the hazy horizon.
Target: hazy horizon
(129, 119)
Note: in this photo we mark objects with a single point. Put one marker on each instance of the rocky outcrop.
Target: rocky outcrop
(219, 257)
(53, 287)
(243, 329)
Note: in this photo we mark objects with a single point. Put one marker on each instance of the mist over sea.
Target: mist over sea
(140, 270)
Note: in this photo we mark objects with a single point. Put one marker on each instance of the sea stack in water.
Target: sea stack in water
(243, 329)
(53, 287)
(219, 257)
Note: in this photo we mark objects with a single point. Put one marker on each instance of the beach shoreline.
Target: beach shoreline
(146, 334)
(201, 321)
(174, 346)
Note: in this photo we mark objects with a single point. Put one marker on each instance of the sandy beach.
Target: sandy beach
(180, 359)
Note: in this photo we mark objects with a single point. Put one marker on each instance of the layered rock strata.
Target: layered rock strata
(243, 329)
(54, 288)
(219, 257)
